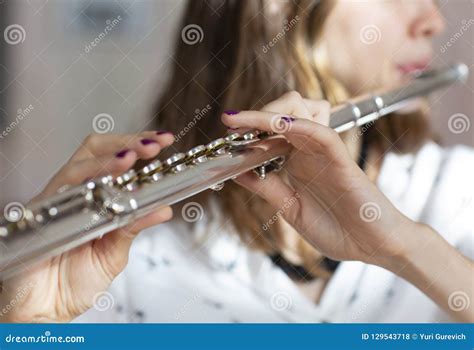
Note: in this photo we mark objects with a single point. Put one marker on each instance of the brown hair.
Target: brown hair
(242, 57)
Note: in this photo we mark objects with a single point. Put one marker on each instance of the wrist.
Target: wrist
(414, 240)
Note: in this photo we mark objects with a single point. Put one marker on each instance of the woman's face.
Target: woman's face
(379, 43)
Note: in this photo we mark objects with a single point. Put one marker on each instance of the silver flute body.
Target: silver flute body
(78, 214)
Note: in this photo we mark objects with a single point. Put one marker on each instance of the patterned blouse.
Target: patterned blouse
(208, 275)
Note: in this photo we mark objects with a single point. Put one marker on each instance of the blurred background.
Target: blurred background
(68, 67)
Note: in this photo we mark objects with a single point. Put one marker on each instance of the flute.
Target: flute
(78, 214)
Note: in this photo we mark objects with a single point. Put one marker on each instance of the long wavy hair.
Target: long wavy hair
(241, 54)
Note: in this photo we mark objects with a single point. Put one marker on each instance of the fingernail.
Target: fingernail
(161, 132)
(146, 142)
(231, 112)
(288, 119)
(122, 153)
(231, 128)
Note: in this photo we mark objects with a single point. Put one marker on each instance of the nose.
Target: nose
(429, 23)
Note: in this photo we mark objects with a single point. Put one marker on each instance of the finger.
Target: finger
(146, 144)
(75, 173)
(272, 189)
(293, 104)
(112, 250)
(300, 132)
(321, 111)
(152, 219)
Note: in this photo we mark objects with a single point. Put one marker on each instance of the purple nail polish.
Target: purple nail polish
(288, 119)
(231, 112)
(161, 132)
(122, 153)
(147, 142)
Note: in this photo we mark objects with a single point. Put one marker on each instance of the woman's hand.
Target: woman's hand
(65, 286)
(334, 204)
(328, 199)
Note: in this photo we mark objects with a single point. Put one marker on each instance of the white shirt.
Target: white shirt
(208, 275)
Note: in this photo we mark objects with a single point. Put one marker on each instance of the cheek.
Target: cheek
(363, 48)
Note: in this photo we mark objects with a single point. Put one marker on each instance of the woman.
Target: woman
(246, 260)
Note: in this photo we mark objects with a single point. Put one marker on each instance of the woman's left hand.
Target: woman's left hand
(327, 198)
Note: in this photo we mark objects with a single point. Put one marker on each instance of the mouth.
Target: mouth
(414, 67)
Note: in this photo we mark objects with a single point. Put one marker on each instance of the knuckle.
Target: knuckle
(293, 95)
(91, 140)
(325, 106)
(69, 173)
(328, 135)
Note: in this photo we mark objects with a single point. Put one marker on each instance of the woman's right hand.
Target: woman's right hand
(61, 288)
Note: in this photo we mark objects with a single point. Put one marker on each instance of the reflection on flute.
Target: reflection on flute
(82, 213)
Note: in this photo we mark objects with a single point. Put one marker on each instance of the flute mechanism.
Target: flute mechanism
(79, 214)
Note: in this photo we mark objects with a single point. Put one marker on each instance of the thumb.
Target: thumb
(112, 250)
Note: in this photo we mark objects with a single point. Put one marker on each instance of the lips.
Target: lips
(413, 67)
